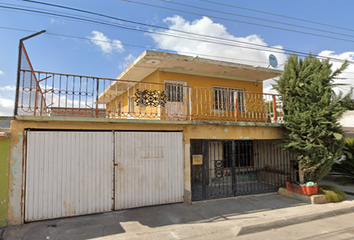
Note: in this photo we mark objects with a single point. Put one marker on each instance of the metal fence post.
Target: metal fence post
(233, 167)
(19, 67)
(274, 109)
(97, 89)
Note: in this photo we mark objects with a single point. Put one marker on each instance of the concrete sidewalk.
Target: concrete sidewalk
(223, 218)
(330, 180)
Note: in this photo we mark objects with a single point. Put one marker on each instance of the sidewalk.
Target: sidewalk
(222, 218)
(330, 180)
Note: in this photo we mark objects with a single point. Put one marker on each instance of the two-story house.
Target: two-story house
(170, 128)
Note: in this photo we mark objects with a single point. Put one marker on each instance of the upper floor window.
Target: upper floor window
(175, 91)
(225, 98)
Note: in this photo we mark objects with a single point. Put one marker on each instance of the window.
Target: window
(175, 90)
(224, 98)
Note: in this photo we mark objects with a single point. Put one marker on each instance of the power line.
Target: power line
(129, 28)
(154, 26)
(275, 50)
(133, 45)
(160, 49)
(278, 15)
(145, 47)
(256, 18)
(239, 21)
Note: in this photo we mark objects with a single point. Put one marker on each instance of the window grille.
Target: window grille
(224, 98)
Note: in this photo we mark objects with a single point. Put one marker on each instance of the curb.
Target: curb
(292, 221)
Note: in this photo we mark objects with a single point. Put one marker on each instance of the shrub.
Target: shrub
(332, 193)
(346, 167)
(311, 110)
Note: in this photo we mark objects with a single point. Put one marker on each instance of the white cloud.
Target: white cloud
(205, 26)
(8, 88)
(106, 44)
(57, 21)
(2, 73)
(127, 61)
(6, 107)
(347, 77)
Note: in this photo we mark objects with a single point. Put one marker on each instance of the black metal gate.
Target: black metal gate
(228, 168)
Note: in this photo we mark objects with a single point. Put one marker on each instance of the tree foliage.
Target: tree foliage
(311, 111)
(351, 105)
(346, 167)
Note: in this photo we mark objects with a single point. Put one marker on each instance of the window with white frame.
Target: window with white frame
(224, 98)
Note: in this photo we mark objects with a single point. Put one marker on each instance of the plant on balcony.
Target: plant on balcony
(345, 167)
(311, 111)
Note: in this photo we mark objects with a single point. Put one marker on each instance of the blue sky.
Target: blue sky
(105, 53)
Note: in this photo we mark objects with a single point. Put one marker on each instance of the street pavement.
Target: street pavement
(338, 228)
(241, 217)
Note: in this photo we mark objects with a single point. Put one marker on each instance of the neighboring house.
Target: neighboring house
(170, 128)
(347, 122)
(5, 122)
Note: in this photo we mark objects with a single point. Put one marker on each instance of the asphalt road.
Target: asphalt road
(335, 228)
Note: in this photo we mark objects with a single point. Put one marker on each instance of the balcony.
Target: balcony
(44, 94)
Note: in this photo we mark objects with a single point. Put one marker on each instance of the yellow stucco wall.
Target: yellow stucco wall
(191, 131)
(209, 82)
(198, 102)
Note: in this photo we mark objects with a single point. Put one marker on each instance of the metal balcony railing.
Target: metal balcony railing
(53, 94)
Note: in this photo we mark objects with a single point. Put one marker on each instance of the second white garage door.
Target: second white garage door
(148, 168)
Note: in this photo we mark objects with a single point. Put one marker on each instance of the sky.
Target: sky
(101, 38)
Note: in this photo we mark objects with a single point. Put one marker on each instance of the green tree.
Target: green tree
(351, 105)
(311, 111)
(346, 167)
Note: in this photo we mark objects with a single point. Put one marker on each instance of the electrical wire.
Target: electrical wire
(239, 21)
(275, 50)
(77, 18)
(154, 26)
(147, 47)
(278, 15)
(135, 45)
(256, 18)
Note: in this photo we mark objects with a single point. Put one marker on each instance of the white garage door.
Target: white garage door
(68, 174)
(149, 168)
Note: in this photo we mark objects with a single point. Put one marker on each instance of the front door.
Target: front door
(229, 168)
(176, 100)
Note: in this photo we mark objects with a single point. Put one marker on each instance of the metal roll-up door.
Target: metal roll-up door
(68, 174)
(148, 169)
